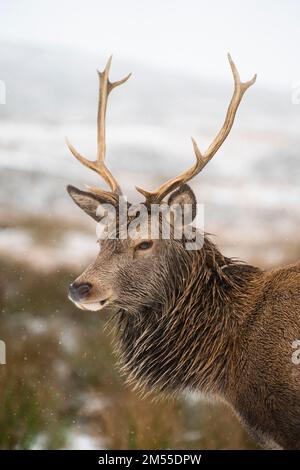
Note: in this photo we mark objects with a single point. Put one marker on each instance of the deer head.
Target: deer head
(134, 273)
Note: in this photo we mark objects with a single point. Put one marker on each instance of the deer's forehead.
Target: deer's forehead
(121, 246)
(141, 225)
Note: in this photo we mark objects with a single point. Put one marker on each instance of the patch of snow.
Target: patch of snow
(80, 441)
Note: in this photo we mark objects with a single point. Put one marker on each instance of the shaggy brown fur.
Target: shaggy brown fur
(227, 332)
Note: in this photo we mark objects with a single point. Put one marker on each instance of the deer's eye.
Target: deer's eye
(145, 245)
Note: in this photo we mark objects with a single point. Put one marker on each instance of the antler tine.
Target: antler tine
(105, 87)
(202, 159)
(239, 90)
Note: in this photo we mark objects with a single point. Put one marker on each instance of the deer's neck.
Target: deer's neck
(192, 341)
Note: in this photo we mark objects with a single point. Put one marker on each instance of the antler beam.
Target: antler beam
(202, 159)
(99, 166)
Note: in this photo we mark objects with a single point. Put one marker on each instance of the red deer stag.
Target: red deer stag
(195, 319)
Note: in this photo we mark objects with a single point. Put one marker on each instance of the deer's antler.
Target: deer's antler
(202, 159)
(105, 87)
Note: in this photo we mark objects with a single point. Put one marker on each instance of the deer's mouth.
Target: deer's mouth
(93, 306)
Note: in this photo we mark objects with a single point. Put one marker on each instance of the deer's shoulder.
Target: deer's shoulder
(284, 279)
(279, 297)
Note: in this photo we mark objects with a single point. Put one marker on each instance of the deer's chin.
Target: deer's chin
(92, 306)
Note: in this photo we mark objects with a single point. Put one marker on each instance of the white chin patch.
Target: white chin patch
(91, 306)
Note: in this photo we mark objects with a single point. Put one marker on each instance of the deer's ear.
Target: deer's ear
(88, 202)
(185, 199)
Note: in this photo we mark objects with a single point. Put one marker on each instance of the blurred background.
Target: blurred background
(60, 387)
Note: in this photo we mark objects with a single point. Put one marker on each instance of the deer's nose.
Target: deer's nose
(78, 291)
